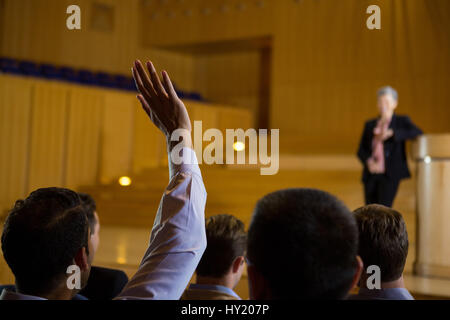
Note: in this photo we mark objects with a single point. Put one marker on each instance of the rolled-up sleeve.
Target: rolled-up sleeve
(178, 238)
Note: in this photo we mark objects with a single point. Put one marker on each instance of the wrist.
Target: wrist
(181, 137)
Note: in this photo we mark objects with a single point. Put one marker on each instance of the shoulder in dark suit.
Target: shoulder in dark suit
(104, 283)
(11, 287)
(394, 148)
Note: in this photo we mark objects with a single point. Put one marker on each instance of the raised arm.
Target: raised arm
(178, 238)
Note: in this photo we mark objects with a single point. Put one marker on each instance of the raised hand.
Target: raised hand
(383, 135)
(159, 100)
(388, 134)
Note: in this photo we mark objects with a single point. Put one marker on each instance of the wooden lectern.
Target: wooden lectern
(432, 155)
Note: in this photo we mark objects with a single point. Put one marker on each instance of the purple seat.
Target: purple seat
(50, 72)
(86, 77)
(68, 74)
(29, 68)
(105, 80)
(9, 66)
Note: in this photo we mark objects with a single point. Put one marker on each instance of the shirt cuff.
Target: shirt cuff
(183, 161)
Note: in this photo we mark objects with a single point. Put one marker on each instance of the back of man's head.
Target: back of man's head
(90, 208)
(41, 236)
(226, 240)
(304, 244)
(383, 240)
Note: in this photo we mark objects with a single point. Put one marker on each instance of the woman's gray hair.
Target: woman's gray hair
(388, 90)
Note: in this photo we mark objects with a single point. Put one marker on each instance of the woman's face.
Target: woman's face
(386, 104)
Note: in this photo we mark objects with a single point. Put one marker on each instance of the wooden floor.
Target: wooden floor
(127, 213)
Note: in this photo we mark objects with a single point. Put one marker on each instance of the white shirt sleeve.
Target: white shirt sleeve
(178, 237)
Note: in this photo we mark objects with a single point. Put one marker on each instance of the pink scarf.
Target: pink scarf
(377, 145)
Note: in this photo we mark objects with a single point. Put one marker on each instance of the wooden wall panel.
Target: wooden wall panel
(48, 135)
(117, 136)
(83, 148)
(15, 113)
(149, 143)
(234, 118)
(2, 24)
(326, 64)
(229, 78)
(36, 30)
(207, 114)
(326, 73)
(179, 66)
(66, 135)
(206, 21)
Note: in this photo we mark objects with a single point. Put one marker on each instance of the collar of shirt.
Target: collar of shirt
(11, 295)
(388, 294)
(219, 288)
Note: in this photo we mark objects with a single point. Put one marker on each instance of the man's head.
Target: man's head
(383, 240)
(43, 235)
(387, 100)
(90, 208)
(223, 258)
(302, 243)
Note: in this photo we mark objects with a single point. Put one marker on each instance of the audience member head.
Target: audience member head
(90, 208)
(223, 260)
(387, 101)
(383, 241)
(42, 236)
(302, 243)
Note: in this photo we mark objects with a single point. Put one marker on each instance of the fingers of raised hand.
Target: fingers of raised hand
(168, 85)
(160, 91)
(142, 84)
(149, 112)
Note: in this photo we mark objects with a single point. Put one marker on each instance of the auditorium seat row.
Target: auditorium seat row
(81, 76)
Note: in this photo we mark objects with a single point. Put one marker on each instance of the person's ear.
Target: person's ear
(258, 286)
(238, 263)
(358, 272)
(81, 259)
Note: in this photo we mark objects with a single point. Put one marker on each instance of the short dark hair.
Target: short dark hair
(226, 240)
(304, 242)
(41, 237)
(90, 207)
(383, 240)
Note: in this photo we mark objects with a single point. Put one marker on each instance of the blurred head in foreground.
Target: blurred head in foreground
(302, 244)
(90, 207)
(43, 236)
(223, 260)
(383, 242)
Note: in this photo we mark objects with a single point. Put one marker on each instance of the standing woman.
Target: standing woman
(382, 150)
